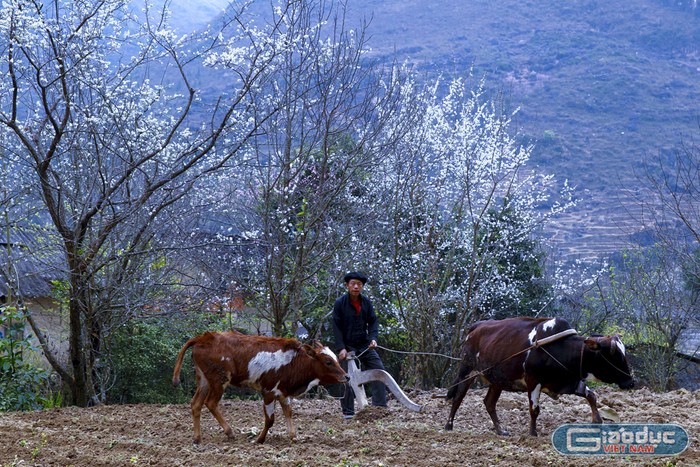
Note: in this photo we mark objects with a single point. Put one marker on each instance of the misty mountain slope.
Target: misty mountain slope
(601, 85)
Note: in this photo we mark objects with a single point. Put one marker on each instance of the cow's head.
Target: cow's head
(611, 365)
(325, 364)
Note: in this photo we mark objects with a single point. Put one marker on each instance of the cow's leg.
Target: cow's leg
(593, 402)
(269, 412)
(196, 405)
(490, 400)
(216, 390)
(457, 398)
(287, 411)
(533, 395)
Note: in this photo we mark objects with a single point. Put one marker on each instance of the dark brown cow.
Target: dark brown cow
(279, 368)
(506, 355)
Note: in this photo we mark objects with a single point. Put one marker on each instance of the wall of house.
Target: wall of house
(53, 323)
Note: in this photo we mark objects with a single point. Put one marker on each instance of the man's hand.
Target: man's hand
(372, 344)
(342, 355)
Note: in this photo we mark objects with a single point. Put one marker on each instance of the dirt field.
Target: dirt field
(161, 434)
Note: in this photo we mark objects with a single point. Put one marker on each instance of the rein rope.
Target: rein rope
(614, 366)
(535, 345)
(538, 343)
(420, 353)
(409, 353)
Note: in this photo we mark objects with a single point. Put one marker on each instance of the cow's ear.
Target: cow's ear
(616, 344)
(309, 350)
(592, 343)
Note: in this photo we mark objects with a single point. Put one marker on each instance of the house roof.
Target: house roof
(689, 342)
(26, 267)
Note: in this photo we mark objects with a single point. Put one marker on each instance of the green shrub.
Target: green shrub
(23, 386)
(143, 356)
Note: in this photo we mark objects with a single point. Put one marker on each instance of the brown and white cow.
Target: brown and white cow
(505, 354)
(279, 368)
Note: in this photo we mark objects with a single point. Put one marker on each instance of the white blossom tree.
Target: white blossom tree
(294, 203)
(101, 107)
(461, 207)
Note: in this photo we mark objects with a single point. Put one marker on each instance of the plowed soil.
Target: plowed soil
(116, 435)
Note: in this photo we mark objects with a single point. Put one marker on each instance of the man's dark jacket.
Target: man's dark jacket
(353, 331)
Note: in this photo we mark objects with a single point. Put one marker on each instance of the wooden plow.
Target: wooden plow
(358, 378)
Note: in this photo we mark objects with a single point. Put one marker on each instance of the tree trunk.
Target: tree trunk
(78, 385)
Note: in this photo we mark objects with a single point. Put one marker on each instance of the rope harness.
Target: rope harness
(538, 343)
(615, 366)
(535, 345)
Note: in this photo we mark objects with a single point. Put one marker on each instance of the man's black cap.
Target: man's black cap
(355, 275)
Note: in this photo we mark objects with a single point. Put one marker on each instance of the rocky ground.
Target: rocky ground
(117, 435)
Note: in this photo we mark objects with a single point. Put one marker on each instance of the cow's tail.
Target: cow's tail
(178, 363)
(464, 370)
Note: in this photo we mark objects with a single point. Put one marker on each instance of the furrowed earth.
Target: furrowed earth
(116, 435)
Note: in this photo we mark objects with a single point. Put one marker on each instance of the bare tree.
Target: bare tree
(650, 293)
(672, 207)
(298, 202)
(656, 285)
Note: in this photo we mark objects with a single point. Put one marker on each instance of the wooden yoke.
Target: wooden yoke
(358, 378)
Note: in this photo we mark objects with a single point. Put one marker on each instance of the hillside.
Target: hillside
(601, 85)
